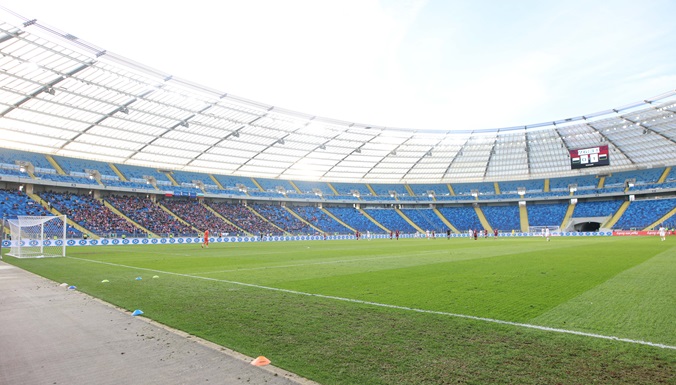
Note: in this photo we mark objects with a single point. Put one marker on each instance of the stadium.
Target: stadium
(345, 253)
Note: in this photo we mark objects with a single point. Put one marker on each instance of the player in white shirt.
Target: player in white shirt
(663, 233)
(547, 234)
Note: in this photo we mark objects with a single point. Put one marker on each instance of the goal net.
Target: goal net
(38, 237)
(540, 230)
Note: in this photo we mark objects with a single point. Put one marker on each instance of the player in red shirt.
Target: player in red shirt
(206, 239)
(396, 234)
(495, 233)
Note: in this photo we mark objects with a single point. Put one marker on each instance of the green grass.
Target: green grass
(620, 287)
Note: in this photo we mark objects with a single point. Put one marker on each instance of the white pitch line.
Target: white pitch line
(491, 320)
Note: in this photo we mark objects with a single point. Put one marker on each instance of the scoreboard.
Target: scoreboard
(589, 157)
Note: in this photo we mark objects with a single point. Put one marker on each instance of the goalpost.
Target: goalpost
(38, 237)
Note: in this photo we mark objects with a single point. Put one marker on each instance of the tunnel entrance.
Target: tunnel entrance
(587, 226)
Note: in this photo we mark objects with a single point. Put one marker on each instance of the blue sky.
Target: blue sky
(409, 64)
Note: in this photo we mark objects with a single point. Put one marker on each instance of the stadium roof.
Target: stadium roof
(62, 95)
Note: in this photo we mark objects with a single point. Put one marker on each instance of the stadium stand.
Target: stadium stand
(531, 186)
(347, 188)
(463, 218)
(283, 219)
(319, 219)
(91, 214)
(391, 220)
(546, 214)
(643, 213)
(355, 219)
(309, 187)
(38, 161)
(583, 182)
(273, 184)
(422, 189)
(199, 216)
(149, 215)
(14, 203)
(596, 208)
(505, 218)
(425, 219)
(245, 219)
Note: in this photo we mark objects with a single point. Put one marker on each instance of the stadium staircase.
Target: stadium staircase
(446, 222)
(410, 190)
(546, 189)
(266, 219)
(335, 192)
(664, 175)
(260, 188)
(566, 218)
(166, 210)
(496, 186)
(119, 213)
(482, 219)
(171, 179)
(224, 219)
(523, 217)
(664, 218)
(118, 172)
(327, 212)
(30, 173)
(407, 219)
(373, 220)
(602, 182)
(54, 164)
(303, 219)
(295, 187)
(616, 217)
(54, 211)
(213, 179)
(368, 186)
(450, 189)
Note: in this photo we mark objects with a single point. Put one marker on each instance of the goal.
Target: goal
(38, 237)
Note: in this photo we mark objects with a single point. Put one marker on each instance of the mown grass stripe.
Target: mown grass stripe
(476, 318)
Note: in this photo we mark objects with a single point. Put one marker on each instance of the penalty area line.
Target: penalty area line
(405, 308)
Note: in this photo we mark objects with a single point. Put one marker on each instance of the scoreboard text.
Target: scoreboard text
(589, 157)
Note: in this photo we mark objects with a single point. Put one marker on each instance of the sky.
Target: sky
(436, 64)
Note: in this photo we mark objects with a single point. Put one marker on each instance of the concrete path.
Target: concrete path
(51, 335)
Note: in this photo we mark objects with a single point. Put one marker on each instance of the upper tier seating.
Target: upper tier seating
(309, 187)
(347, 188)
(583, 182)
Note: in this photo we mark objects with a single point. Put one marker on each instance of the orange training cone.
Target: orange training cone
(260, 361)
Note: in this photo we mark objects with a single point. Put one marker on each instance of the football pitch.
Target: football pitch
(574, 310)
